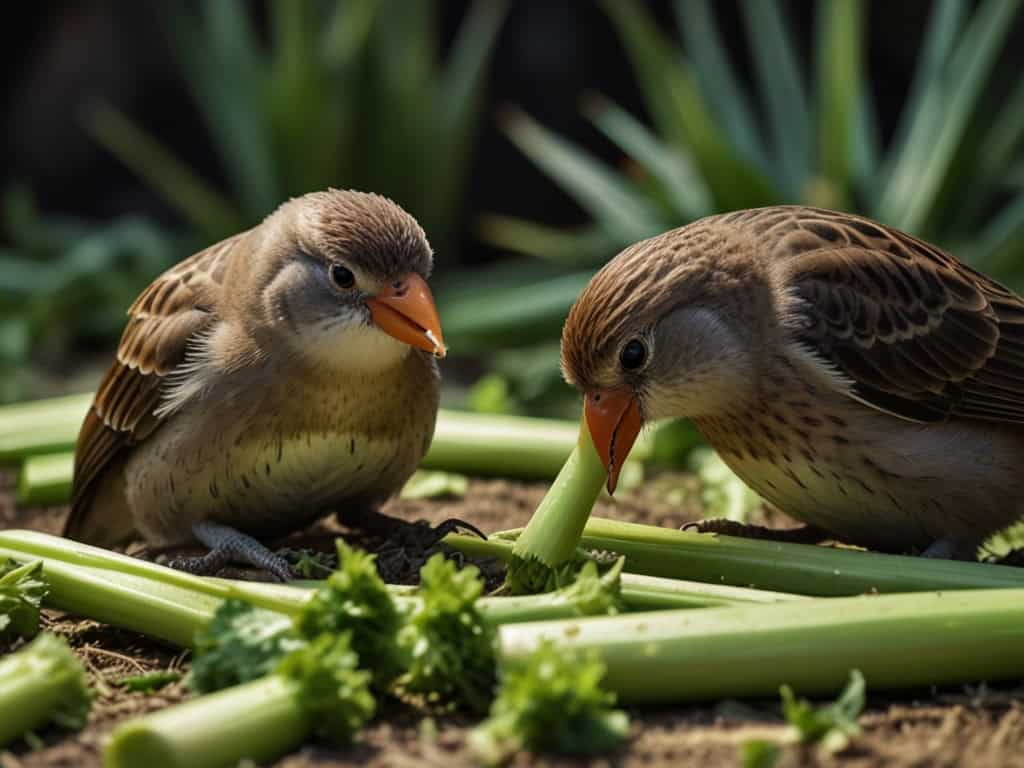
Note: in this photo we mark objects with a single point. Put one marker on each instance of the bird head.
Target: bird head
(659, 332)
(346, 280)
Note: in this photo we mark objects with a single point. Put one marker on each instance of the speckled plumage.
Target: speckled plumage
(864, 381)
(246, 393)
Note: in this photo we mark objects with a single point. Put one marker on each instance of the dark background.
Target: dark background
(62, 56)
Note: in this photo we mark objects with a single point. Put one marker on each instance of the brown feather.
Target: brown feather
(162, 322)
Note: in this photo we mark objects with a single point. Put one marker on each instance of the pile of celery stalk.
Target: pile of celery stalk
(690, 616)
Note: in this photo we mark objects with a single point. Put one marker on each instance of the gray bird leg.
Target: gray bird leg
(805, 534)
(227, 545)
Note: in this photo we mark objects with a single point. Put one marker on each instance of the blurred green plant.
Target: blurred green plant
(951, 173)
(65, 284)
(350, 93)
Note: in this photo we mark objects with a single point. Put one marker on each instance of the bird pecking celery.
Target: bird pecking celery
(42, 683)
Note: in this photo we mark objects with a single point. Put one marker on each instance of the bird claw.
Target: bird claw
(805, 534)
(227, 545)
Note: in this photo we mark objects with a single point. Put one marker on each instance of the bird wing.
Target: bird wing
(912, 330)
(162, 323)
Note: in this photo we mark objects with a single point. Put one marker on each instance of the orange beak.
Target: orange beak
(405, 310)
(613, 418)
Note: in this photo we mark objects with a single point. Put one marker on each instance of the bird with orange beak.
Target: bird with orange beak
(281, 374)
(862, 380)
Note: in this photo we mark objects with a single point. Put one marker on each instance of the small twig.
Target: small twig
(91, 649)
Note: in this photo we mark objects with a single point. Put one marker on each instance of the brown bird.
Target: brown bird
(280, 374)
(863, 381)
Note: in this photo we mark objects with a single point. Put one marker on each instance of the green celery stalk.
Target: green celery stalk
(639, 592)
(126, 600)
(317, 688)
(45, 480)
(793, 568)
(41, 683)
(897, 641)
(259, 721)
(796, 568)
(41, 426)
(551, 538)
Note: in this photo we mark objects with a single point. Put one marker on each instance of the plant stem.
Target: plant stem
(41, 682)
(794, 568)
(639, 592)
(259, 721)
(895, 640)
(126, 600)
(42, 426)
(553, 533)
(45, 480)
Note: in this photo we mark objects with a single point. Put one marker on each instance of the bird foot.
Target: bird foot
(805, 534)
(227, 545)
(402, 533)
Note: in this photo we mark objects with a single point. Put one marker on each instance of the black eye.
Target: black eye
(633, 355)
(342, 276)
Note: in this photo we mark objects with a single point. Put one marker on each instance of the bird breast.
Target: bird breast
(272, 458)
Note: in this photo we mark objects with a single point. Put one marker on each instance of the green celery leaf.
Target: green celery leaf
(450, 647)
(241, 643)
(355, 599)
(833, 725)
(552, 702)
(332, 689)
(22, 589)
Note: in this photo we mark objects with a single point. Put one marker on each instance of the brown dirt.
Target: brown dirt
(968, 726)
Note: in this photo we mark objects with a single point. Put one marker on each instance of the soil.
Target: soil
(958, 726)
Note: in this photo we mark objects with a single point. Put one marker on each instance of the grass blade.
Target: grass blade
(916, 182)
(678, 108)
(917, 119)
(779, 77)
(202, 207)
(840, 83)
(481, 321)
(588, 246)
(685, 189)
(626, 213)
(717, 79)
(301, 108)
(457, 109)
(226, 68)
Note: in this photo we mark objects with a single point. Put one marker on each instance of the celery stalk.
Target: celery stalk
(639, 592)
(126, 600)
(45, 480)
(259, 721)
(553, 532)
(798, 568)
(895, 640)
(793, 568)
(43, 682)
(42, 426)
(315, 689)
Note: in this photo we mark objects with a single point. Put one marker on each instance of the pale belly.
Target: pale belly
(878, 481)
(244, 469)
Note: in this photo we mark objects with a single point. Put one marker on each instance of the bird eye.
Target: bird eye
(633, 355)
(342, 276)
